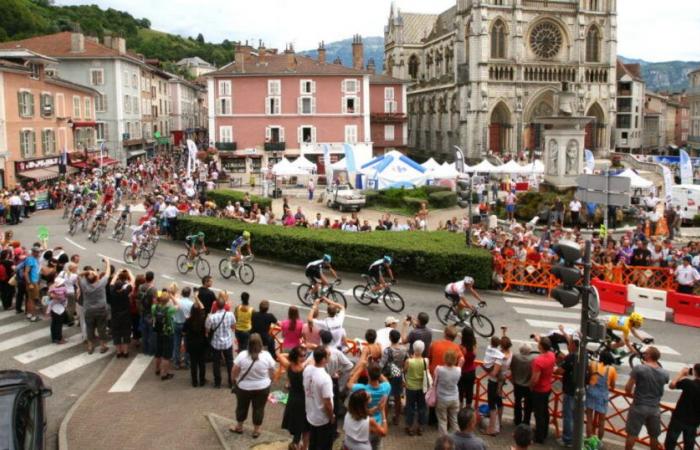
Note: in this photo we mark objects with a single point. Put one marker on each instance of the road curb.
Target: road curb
(63, 429)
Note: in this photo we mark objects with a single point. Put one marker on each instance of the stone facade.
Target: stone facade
(484, 70)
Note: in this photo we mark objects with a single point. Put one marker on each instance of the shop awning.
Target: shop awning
(106, 161)
(84, 124)
(40, 174)
(135, 153)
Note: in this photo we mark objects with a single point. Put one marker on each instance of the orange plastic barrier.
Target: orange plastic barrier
(613, 297)
(527, 274)
(686, 308)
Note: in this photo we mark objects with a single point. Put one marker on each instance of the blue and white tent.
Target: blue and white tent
(393, 170)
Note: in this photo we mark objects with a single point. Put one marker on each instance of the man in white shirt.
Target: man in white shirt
(221, 325)
(318, 390)
(390, 323)
(170, 215)
(575, 208)
(686, 276)
(318, 221)
(334, 321)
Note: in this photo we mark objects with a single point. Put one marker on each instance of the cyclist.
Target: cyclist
(126, 214)
(626, 325)
(376, 273)
(314, 272)
(138, 237)
(191, 242)
(237, 244)
(91, 206)
(101, 218)
(455, 293)
(78, 212)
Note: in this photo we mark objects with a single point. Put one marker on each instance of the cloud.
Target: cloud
(646, 29)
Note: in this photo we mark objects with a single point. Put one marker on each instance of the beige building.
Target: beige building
(654, 137)
(694, 111)
(630, 108)
(483, 71)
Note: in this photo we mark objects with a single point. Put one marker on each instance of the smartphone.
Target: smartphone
(690, 371)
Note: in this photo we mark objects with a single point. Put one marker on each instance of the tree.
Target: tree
(200, 38)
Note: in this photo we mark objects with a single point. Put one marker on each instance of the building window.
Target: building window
(226, 134)
(88, 108)
(273, 105)
(350, 87)
(84, 138)
(126, 78)
(76, 107)
(135, 105)
(101, 131)
(390, 105)
(46, 105)
(101, 103)
(498, 40)
(413, 66)
(27, 144)
(274, 87)
(97, 77)
(307, 87)
(274, 134)
(25, 101)
(307, 134)
(388, 132)
(36, 71)
(60, 105)
(593, 45)
(48, 142)
(351, 105)
(307, 105)
(351, 134)
(134, 81)
(225, 88)
(223, 106)
(127, 104)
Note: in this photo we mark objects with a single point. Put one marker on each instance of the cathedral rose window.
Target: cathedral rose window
(546, 40)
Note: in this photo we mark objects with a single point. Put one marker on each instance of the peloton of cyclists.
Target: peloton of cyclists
(314, 272)
(456, 291)
(376, 273)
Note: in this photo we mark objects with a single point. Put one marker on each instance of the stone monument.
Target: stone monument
(564, 138)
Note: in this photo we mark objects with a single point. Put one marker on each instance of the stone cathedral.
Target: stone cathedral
(484, 70)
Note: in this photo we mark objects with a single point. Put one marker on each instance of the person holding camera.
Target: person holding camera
(93, 287)
(686, 417)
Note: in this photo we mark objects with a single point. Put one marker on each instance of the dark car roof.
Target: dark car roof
(16, 377)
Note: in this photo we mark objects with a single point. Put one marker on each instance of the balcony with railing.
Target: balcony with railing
(559, 5)
(387, 117)
(502, 72)
(226, 146)
(275, 146)
(549, 73)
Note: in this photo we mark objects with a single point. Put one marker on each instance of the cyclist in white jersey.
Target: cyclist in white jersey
(455, 292)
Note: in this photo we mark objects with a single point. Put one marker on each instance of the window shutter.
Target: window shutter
(300, 105)
(344, 86)
(267, 105)
(313, 134)
(313, 105)
(33, 134)
(268, 133)
(300, 135)
(31, 104)
(281, 134)
(20, 103)
(357, 110)
(301, 86)
(278, 105)
(344, 105)
(313, 87)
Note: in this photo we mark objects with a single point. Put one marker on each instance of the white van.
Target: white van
(687, 196)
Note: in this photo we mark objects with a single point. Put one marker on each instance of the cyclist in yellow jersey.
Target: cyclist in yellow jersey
(626, 325)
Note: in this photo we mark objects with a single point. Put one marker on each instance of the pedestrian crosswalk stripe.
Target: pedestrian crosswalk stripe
(525, 301)
(73, 363)
(550, 325)
(548, 313)
(132, 374)
(7, 314)
(17, 341)
(673, 366)
(48, 350)
(14, 326)
(665, 350)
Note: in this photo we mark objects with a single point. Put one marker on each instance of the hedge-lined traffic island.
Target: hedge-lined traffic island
(436, 257)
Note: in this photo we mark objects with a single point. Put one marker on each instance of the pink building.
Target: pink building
(40, 116)
(266, 105)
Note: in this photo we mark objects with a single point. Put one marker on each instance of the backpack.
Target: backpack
(390, 369)
(145, 299)
(159, 319)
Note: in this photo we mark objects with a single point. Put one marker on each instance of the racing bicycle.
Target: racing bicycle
(482, 325)
(308, 298)
(198, 263)
(143, 257)
(364, 295)
(241, 270)
(75, 223)
(633, 358)
(119, 229)
(97, 229)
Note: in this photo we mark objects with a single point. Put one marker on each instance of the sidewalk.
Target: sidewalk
(172, 414)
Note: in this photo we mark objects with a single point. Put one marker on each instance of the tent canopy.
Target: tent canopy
(394, 169)
(340, 165)
(444, 171)
(431, 165)
(483, 167)
(510, 167)
(636, 181)
(304, 164)
(284, 168)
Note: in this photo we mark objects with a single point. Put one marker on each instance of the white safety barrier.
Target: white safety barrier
(650, 303)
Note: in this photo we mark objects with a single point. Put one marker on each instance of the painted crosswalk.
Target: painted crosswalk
(47, 350)
(132, 374)
(74, 363)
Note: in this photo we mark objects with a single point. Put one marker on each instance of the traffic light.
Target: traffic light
(567, 293)
(463, 193)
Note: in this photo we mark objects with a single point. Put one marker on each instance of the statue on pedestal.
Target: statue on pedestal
(572, 157)
(553, 158)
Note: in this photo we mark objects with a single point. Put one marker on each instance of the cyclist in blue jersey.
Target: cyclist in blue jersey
(242, 241)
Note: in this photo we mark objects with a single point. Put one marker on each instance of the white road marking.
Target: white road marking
(118, 261)
(524, 301)
(8, 314)
(74, 363)
(75, 243)
(349, 316)
(17, 341)
(674, 367)
(167, 277)
(347, 292)
(295, 283)
(547, 313)
(665, 350)
(14, 326)
(48, 350)
(550, 325)
(132, 374)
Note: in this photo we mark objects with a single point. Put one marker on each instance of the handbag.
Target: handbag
(234, 386)
(427, 379)
(431, 395)
(13, 280)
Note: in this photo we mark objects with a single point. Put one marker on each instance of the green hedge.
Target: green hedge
(443, 199)
(436, 257)
(434, 196)
(222, 196)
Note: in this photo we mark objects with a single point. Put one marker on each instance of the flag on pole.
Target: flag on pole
(589, 160)
(459, 159)
(191, 156)
(327, 163)
(686, 168)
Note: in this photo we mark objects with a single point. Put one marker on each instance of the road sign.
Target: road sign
(616, 199)
(598, 183)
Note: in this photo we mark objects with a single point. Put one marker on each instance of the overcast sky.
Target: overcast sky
(648, 29)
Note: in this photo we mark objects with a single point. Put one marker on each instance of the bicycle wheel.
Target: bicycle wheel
(304, 294)
(225, 268)
(118, 233)
(361, 294)
(634, 360)
(144, 259)
(202, 268)
(96, 235)
(182, 264)
(339, 298)
(481, 325)
(246, 273)
(72, 228)
(394, 301)
(85, 225)
(127, 255)
(446, 314)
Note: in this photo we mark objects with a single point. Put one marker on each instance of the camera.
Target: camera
(409, 318)
(690, 371)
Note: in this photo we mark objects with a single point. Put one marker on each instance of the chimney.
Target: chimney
(262, 51)
(357, 52)
(94, 39)
(77, 43)
(322, 53)
(338, 61)
(242, 52)
(371, 66)
(108, 40)
(119, 44)
(291, 57)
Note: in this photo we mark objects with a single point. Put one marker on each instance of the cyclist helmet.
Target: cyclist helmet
(468, 280)
(200, 234)
(154, 220)
(327, 258)
(387, 259)
(636, 319)
(246, 234)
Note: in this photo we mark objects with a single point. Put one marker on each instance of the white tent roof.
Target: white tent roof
(304, 164)
(393, 169)
(431, 165)
(340, 165)
(636, 181)
(510, 167)
(444, 171)
(483, 167)
(286, 168)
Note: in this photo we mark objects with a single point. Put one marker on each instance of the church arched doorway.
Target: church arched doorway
(541, 106)
(595, 131)
(500, 129)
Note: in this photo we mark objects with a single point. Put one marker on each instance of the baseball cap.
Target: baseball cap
(390, 320)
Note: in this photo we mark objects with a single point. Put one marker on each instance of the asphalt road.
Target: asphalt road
(70, 373)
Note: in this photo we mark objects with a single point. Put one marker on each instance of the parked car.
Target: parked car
(344, 197)
(22, 410)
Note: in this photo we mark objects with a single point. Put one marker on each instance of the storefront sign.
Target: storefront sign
(41, 163)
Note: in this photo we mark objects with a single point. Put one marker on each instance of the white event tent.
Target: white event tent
(284, 168)
(636, 181)
(431, 165)
(445, 171)
(483, 167)
(304, 164)
(394, 169)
